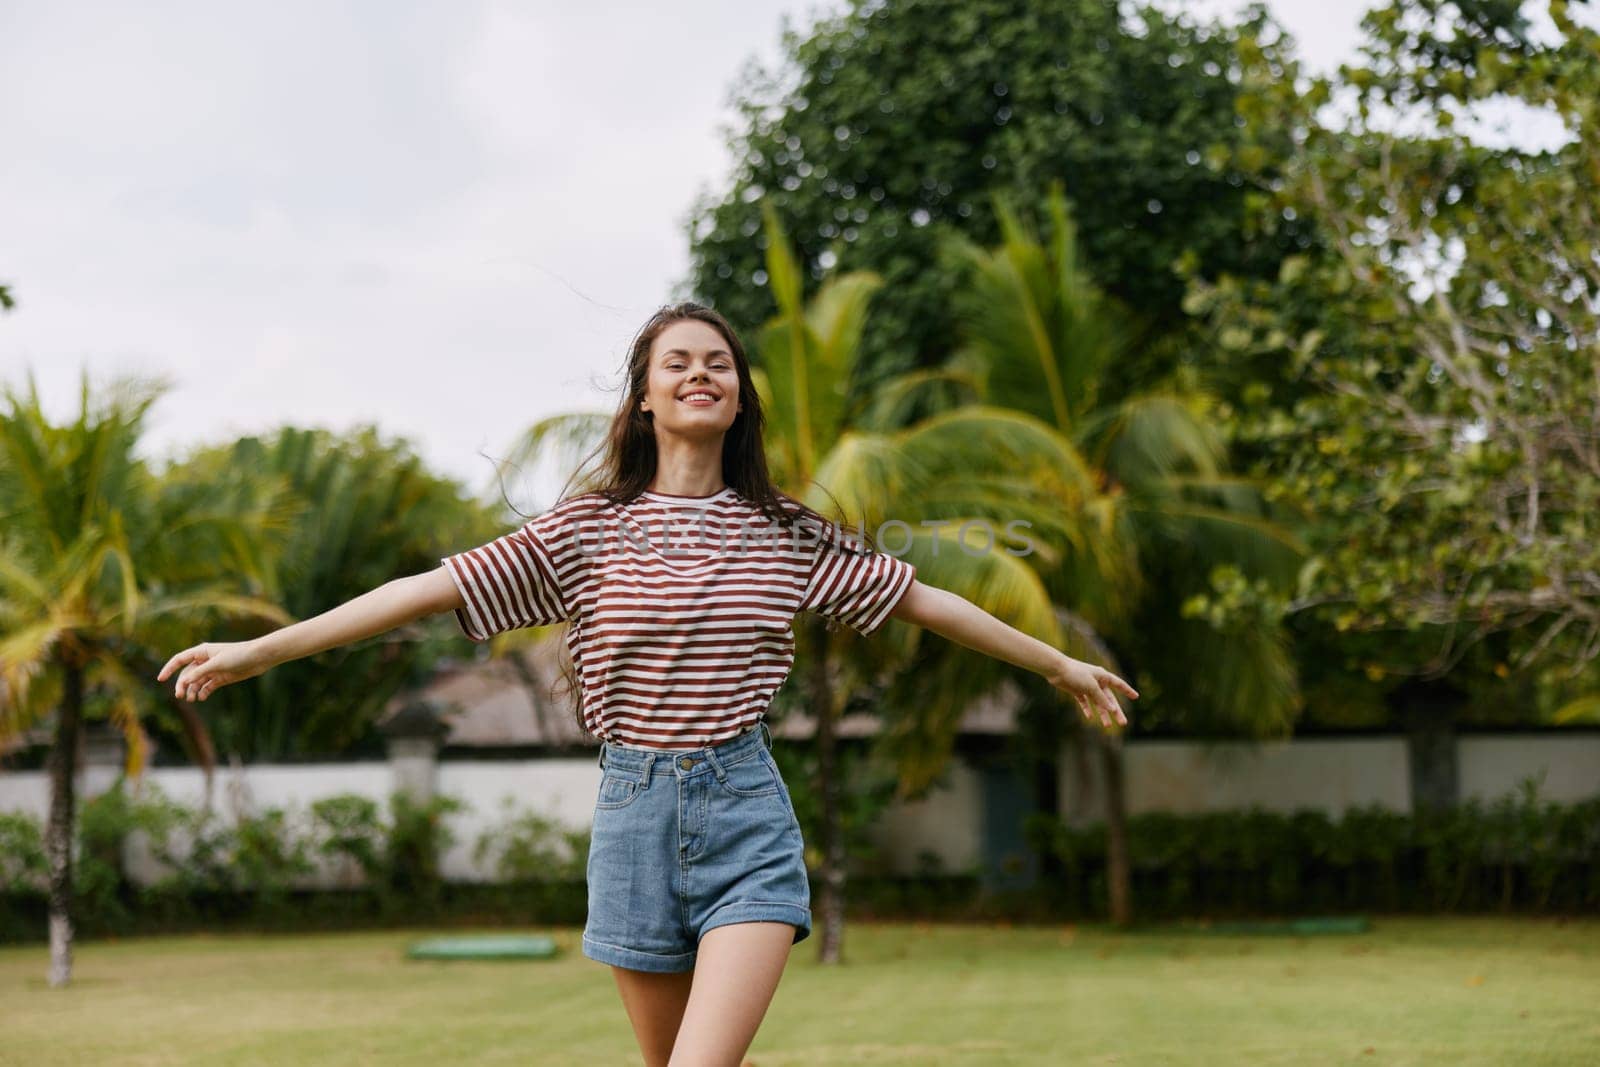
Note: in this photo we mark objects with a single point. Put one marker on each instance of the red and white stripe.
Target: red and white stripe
(680, 636)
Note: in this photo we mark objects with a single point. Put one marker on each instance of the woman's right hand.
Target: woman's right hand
(210, 666)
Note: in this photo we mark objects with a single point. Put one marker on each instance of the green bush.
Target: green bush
(23, 866)
(349, 829)
(409, 877)
(1518, 853)
(529, 847)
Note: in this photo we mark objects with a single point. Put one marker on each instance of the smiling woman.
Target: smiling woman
(698, 886)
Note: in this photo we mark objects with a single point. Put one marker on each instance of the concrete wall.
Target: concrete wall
(1326, 774)
(1186, 777)
(1568, 767)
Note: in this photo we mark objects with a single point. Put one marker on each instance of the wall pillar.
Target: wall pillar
(415, 734)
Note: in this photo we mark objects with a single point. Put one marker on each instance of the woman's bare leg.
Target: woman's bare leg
(655, 1004)
(736, 972)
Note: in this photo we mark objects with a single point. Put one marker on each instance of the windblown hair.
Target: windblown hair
(628, 455)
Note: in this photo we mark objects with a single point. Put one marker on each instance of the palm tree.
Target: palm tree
(101, 562)
(1149, 477)
(364, 510)
(837, 454)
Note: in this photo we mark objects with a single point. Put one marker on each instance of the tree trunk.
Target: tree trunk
(821, 697)
(1119, 874)
(59, 831)
(1429, 710)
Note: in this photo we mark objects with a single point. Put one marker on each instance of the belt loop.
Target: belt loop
(649, 769)
(716, 763)
(766, 734)
(602, 754)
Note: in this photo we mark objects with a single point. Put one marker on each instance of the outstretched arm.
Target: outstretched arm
(962, 621)
(209, 666)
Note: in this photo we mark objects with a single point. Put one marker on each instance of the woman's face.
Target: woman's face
(690, 359)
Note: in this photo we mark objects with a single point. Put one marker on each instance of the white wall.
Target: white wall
(1491, 767)
(1176, 776)
(1187, 777)
(947, 822)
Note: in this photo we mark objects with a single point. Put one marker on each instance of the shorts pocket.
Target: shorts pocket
(617, 790)
(753, 776)
(788, 801)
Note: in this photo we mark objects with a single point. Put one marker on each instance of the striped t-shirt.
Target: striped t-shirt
(679, 607)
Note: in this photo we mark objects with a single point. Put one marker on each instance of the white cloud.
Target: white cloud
(445, 219)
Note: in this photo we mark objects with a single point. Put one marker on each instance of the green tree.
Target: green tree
(101, 561)
(1449, 453)
(1156, 515)
(888, 125)
(360, 510)
(838, 454)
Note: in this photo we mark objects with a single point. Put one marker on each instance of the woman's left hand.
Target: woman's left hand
(1094, 688)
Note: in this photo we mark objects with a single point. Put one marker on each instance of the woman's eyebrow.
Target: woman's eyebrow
(683, 352)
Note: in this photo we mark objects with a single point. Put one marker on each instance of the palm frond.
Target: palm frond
(861, 478)
(789, 361)
(834, 321)
(563, 440)
(970, 441)
(889, 407)
(25, 652)
(1261, 547)
(130, 701)
(1155, 436)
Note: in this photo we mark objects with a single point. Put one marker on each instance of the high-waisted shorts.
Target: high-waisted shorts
(686, 840)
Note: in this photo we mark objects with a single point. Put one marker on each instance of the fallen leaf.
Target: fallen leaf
(1475, 981)
(1369, 1051)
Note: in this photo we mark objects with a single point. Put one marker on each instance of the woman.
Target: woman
(678, 575)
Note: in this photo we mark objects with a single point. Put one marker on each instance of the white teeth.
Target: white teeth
(700, 396)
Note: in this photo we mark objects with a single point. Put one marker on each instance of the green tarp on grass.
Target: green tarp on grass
(493, 947)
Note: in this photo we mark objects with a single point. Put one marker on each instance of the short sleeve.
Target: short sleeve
(854, 584)
(511, 582)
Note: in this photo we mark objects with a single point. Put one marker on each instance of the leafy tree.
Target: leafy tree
(1141, 491)
(1449, 454)
(359, 510)
(890, 123)
(824, 449)
(101, 563)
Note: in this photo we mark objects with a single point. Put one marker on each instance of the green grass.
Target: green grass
(1475, 991)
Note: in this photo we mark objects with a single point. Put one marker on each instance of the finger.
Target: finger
(205, 690)
(190, 680)
(1105, 676)
(178, 660)
(1110, 702)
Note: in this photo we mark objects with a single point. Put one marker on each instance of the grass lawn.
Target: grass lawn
(1446, 991)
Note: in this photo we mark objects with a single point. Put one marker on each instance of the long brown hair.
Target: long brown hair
(628, 454)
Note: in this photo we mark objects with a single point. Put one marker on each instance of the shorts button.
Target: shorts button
(686, 763)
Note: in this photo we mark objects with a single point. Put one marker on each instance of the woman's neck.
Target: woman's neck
(688, 469)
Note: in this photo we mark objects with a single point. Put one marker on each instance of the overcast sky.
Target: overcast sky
(447, 219)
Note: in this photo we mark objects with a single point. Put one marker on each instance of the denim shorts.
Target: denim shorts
(686, 840)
